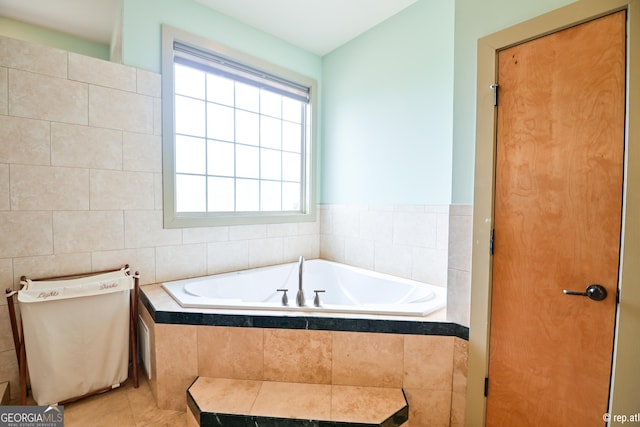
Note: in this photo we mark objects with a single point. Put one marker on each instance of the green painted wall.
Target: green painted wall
(476, 19)
(387, 111)
(23, 31)
(141, 35)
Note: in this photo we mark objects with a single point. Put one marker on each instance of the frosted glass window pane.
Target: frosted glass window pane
(220, 158)
(247, 195)
(190, 116)
(270, 197)
(219, 90)
(270, 104)
(291, 110)
(189, 81)
(221, 197)
(247, 161)
(270, 164)
(247, 128)
(220, 122)
(270, 132)
(247, 97)
(190, 155)
(291, 136)
(190, 193)
(291, 167)
(290, 196)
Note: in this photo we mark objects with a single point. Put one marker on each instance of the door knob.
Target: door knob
(595, 292)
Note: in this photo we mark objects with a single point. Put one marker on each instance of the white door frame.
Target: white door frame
(625, 381)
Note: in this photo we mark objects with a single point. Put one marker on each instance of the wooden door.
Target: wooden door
(558, 200)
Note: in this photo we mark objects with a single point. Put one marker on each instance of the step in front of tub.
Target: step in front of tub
(228, 402)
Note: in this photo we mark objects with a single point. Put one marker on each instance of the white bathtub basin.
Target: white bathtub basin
(346, 290)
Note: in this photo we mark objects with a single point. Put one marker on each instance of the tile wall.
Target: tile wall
(81, 187)
(431, 369)
(81, 190)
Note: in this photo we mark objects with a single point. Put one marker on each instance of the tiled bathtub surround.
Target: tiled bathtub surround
(406, 241)
(430, 368)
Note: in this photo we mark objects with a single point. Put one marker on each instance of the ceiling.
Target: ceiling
(318, 26)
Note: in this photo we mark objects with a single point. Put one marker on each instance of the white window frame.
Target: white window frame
(174, 219)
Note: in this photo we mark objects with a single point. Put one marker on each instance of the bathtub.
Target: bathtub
(346, 290)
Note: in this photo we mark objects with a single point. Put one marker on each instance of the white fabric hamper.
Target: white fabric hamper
(76, 334)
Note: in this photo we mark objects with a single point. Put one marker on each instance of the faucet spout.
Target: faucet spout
(300, 295)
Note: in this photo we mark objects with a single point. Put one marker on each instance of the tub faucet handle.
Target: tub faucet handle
(285, 298)
(316, 299)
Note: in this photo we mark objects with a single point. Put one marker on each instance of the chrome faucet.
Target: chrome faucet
(300, 295)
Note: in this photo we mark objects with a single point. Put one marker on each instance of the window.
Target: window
(237, 137)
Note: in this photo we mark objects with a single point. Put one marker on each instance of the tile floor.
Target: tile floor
(122, 407)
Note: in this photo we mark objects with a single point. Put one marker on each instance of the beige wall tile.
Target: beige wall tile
(294, 246)
(25, 141)
(332, 248)
(49, 188)
(264, 252)
(6, 335)
(376, 225)
(142, 153)
(182, 261)
(242, 232)
(459, 296)
(149, 83)
(25, 234)
(144, 229)
(87, 231)
(4, 91)
(429, 408)
(157, 116)
(32, 57)
(415, 229)
(117, 109)
(142, 260)
(393, 259)
(121, 190)
(367, 359)
(176, 363)
(429, 265)
(227, 256)
(359, 253)
(6, 277)
(461, 231)
(47, 98)
(428, 362)
(103, 73)
(4, 188)
(205, 234)
(297, 356)
(85, 147)
(157, 191)
(226, 352)
(36, 267)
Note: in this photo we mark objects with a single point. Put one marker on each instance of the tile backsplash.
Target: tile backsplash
(81, 191)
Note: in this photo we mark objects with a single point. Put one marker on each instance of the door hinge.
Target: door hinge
(494, 87)
(486, 386)
(491, 242)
